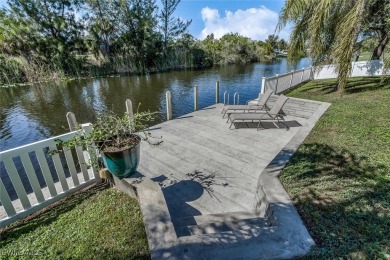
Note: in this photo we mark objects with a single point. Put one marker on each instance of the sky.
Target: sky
(255, 19)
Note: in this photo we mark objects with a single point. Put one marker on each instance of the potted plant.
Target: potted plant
(117, 139)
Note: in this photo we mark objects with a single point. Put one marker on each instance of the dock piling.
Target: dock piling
(169, 105)
(72, 123)
(196, 98)
(217, 92)
(129, 108)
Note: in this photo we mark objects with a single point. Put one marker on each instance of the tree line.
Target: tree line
(56, 39)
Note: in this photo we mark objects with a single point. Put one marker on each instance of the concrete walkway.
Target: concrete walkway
(212, 193)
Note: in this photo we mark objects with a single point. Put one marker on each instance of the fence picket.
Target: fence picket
(46, 172)
(32, 177)
(6, 201)
(71, 166)
(59, 168)
(83, 166)
(17, 182)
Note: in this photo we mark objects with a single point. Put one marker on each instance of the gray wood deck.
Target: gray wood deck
(205, 168)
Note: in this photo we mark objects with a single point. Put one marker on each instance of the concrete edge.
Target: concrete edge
(159, 228)
(280, 210)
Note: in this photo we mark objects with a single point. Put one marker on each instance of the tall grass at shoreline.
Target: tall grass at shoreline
(18, 70)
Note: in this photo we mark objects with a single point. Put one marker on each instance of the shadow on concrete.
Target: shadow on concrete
(206, 180)
(183, 117)
(153, 129)
(267, 125)
(178, 194)
(177, 197)
(283, 241)
(207, 108)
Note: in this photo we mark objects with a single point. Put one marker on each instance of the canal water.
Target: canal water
(32, 113)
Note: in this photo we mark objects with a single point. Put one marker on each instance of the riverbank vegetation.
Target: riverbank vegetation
(339, 179)
(45, 40)
(97, 223)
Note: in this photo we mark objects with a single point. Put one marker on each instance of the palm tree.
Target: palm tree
(331, 30)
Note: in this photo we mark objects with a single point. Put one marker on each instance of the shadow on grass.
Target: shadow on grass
(47, 215)
(343, 199)
(354, 85)
(366, 84)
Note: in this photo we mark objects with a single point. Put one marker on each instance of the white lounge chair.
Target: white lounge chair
(273, 115)
(261, 105)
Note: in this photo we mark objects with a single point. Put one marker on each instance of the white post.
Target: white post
(277, 82)
(303, 72)
(169, 105)
(291, 79)
(262, 88)
(196, 98)
(129, 108)
(71, 121)
(217, 92)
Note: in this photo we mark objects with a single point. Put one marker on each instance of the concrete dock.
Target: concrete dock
(208, 192)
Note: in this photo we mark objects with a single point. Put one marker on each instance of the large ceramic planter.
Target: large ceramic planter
(123, 163)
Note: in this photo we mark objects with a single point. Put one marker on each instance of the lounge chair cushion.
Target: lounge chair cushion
(242, 107)
(250, 116)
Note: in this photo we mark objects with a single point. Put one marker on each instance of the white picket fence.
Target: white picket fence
(25, 204)
(280, 83)
(283, 82)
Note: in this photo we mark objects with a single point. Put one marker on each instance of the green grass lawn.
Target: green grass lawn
(339, 179)
(366, 56)
(94, 224)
